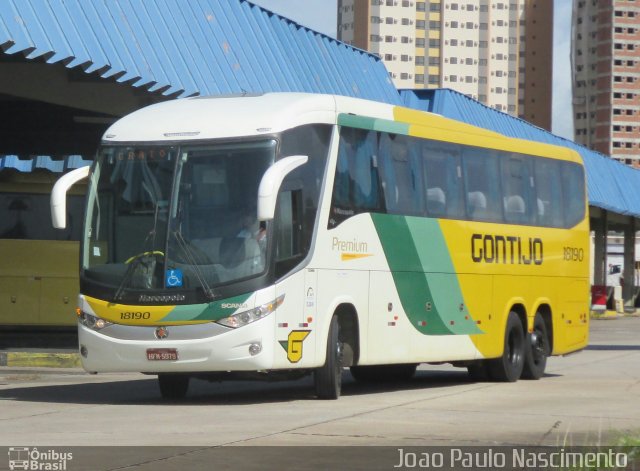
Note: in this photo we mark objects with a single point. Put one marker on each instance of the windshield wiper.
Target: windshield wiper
(191, 260)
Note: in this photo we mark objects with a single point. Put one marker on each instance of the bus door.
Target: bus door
(296, 320)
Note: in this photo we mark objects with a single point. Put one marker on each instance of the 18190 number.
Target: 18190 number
(135, 316)
(573, 254)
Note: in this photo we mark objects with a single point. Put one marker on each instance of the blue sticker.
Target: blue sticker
(174, 278)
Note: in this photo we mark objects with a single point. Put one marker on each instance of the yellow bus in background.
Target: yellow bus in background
(38, 264)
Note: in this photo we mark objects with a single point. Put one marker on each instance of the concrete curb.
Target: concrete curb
(605, 315)
(612, 314)
(40, 359)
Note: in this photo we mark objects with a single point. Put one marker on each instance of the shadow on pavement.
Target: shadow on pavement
(62, 338)
(144, 391)
(613, 347)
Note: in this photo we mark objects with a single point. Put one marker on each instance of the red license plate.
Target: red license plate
(162, 354)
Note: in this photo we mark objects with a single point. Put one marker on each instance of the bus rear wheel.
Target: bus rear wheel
(173, 387)
(383, 373)
(508, 367)
(328, 378)
(537, 350)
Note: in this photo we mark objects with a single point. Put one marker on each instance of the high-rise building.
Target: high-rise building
(497, 52)
(606, 77)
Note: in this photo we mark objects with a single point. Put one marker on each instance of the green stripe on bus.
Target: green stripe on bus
(423, 273)
(373, 124)
(207, 312)
(436, 262)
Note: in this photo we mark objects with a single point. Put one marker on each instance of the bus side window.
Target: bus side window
(21, 216)
(517, 186)
(573, 193)
(289, 250)
(401, 170)
(548, 186)
(311, 140)
(482, 184)
(356, 188)
(443, 185)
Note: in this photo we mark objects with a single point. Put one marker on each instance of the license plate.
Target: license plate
(162, 354)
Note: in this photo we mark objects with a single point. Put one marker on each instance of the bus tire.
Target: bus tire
(384, 373)
(173, 386)
(537, 350)
(328, 378)
(508, 367)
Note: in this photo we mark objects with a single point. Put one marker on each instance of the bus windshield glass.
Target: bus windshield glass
(163, 218)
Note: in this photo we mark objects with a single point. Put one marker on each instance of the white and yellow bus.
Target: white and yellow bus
(285, 234)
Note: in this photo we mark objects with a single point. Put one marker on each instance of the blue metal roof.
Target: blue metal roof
(611, 185)
(42, 162)
(191, 47)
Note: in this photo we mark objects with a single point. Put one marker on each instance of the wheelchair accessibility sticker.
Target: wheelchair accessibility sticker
(174, 278)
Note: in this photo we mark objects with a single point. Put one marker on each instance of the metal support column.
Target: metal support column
(628, 290)
(600, 251)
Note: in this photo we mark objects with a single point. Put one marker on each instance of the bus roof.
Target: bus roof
(222, 116)
(253, 115)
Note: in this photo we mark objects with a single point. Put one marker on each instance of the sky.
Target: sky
(320, 15)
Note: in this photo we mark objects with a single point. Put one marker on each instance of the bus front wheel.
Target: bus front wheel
(537, 350)
(328, 378)
(173, 387)
(508, 367)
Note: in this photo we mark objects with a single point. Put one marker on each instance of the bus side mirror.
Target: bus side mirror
(59, 195)
(270, 184)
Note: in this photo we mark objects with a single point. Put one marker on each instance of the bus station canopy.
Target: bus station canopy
(184, 48)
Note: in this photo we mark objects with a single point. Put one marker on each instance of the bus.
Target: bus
(39, 270)
(285, 234)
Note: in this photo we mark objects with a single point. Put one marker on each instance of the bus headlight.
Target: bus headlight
(92, 322)
(247, 317)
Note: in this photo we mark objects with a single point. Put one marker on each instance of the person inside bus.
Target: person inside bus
(250, 227)
(245, 251)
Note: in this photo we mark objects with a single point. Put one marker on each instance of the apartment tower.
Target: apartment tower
(606, 77)
(497, 52)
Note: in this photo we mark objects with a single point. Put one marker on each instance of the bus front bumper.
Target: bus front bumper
(248, 348)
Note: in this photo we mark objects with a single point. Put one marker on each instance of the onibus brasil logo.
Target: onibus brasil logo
(34, 459)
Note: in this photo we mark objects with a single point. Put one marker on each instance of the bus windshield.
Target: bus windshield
(163, 218)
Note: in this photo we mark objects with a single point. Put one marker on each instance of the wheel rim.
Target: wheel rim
(538, 346)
